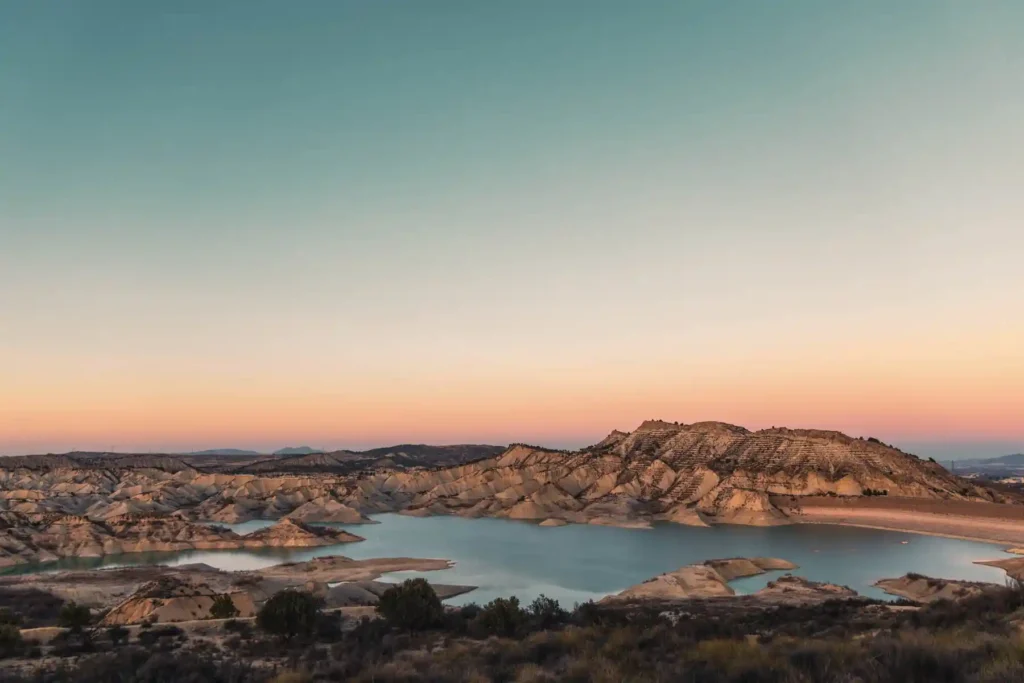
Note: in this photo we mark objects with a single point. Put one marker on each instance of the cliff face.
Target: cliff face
(691, 474)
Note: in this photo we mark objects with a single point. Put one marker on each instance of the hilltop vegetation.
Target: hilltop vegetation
(973, 640)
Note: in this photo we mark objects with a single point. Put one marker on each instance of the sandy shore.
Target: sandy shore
(983, 524)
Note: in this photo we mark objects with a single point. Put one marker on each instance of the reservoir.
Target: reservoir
(576, 563)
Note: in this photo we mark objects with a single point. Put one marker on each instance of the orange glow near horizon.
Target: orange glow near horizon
(556, 409)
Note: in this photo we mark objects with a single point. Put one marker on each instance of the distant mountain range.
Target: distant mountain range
(290, 450)
(1014, 460)
(224, 451)
(298, 450)
(990, 468)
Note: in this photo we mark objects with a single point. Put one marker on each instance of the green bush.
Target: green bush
(118, 635)
(290, 613)
(501, 617)
(223, 608)
(74, 617)
(11, 643)
(411, 605)
(545, 612)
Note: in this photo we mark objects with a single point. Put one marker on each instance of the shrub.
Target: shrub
(290, 613)
(7, 617)
(11, 643)
(501, 617)
(223, 608)
(74, 617)
(242, 628)
(545, 612)
(117, 634)
(157, 635)
(411, 605)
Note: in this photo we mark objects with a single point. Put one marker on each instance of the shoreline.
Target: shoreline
(1005, 531)
(919, 532)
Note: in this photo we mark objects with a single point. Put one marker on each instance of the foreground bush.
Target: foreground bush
(700, 641)
(501, 617)
(290, 613)
(74, 616)
(11, 644)
(411, 605)
(223, 608)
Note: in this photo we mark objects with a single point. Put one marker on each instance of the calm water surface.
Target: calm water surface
(580, 562)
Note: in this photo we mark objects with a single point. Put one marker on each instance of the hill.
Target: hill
(697, 474)
(224, 451)
(693, 474)
(403, 456)
(297, 450)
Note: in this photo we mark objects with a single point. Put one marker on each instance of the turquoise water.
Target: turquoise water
(579, 562)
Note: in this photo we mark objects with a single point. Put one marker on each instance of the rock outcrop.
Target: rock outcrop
(797, 590)
(289, 533)
(49, 537)
(705, 580)
(923, 589)
(171, 599)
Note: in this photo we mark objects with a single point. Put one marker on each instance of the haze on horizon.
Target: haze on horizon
(351, 224)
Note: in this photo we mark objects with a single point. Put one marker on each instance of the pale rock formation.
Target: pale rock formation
(923, 589)
(798, 590)
(705, 580)
(289, 533)
(44, 538)
(169, 600)
(327, 510)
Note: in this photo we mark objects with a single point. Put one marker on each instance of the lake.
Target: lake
(575, 563)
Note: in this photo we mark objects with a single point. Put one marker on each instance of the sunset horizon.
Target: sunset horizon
(360, 224)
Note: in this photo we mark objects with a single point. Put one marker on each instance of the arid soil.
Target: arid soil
(969, 520)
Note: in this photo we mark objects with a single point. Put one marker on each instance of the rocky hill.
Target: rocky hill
(692, 474)
(48, 537)
(695, 474)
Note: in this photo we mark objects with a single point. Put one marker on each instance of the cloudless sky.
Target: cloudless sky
(252, 223)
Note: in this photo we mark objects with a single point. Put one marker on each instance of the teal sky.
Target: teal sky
(255, 223)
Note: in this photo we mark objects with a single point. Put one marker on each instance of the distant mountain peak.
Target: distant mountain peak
(298, 450)
(224, 451)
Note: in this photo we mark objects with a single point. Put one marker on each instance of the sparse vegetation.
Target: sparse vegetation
(74, 617)
(411, 605)
(290, 613)
(972, 640)
(223, 608)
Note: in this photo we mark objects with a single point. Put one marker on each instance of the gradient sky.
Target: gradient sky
(257, 223)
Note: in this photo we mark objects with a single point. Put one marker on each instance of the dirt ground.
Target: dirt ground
(989, 522)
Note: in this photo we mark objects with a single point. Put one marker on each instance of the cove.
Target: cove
(575, 563)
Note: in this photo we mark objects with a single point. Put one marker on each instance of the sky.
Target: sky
(252, 223)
